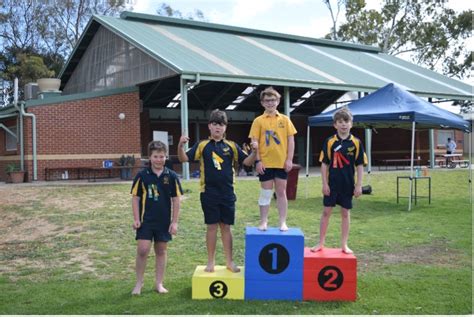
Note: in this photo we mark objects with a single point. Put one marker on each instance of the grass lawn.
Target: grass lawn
(71, 250)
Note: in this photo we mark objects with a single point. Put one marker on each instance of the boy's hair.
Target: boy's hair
(342, 114)
(218, 116)
(157, 146)
(269, 92)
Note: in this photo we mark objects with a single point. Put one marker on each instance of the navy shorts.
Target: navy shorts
(152, 232)
(218, 208)
(272, 173)
(342, 199)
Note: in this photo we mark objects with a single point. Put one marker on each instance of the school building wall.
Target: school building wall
(79, 133)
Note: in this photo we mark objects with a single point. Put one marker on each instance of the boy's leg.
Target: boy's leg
(160, 265)
(345, 224)
(227, 243)
(282, 202)
(143, 248)
(264, 203)
(211, 239)
(323, 226)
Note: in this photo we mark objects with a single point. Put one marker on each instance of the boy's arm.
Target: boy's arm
(290, 153)
(136, 209)
(176, 202)
(182, 156)
(324, 177)
(358, 185)
(249, 160)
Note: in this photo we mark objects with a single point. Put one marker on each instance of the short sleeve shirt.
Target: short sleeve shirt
(217, 160)
(272, 133)
(342, 156)
(155, 193)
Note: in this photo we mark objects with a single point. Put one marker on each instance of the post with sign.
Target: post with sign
(329, 275)
(274, 264)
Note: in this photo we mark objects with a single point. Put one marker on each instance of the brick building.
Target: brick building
(132, 78)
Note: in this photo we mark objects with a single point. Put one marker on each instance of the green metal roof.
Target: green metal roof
(232, 54)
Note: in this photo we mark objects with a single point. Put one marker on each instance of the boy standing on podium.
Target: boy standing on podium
(217, 158)
(341, 155)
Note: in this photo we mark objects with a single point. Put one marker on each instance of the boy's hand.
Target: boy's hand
(288, 165)
(326, 190)
(260, 168)
(254, 146)
(173, 229)
(136, 224)
(357, 191)
(183, 140)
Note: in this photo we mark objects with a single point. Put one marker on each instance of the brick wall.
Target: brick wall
(82, 132)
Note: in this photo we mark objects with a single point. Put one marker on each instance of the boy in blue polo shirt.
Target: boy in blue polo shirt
(217, 157)
(156, 203)
(341, 155)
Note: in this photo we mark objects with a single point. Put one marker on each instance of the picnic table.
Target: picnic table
(451, 160)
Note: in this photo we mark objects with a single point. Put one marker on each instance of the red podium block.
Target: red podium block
(329, 275)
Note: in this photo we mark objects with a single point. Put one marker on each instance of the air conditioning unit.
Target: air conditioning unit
(31, 91)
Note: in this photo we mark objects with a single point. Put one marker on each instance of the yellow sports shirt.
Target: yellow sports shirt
(272, 133)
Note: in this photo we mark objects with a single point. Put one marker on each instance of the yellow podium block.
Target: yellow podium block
(221, 283)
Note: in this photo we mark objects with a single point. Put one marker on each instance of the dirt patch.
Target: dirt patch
(436, 253)
(15, 229)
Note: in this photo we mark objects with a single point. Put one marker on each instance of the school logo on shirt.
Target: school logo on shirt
(350, 150)
(281, 124)
(166, 180)
(226, 150)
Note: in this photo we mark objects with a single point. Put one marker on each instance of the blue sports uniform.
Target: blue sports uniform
(217, 160)
(155, 195)
(342, 156)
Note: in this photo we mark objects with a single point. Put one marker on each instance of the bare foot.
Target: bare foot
(160, 289)
(283, 227)
(347, 250)
(316, 248)
(137, 290)
(233, 268)
(209, 268)
(262, 226)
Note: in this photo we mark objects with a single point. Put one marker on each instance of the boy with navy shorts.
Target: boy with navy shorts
(274, 132)
(218, 157)
(156, 194)
(341, 155)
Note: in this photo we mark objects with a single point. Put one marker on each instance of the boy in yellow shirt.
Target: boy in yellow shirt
(274, 133)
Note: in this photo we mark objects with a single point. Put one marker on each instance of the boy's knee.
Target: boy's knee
(142, 251)
(265, 197)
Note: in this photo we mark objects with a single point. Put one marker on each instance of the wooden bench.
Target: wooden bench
(72, 172)
(396, 163)
(83, 172)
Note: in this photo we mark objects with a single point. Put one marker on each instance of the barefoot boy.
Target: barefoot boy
(274, 133)
(217, 158)
(156, 191)
(341, 154)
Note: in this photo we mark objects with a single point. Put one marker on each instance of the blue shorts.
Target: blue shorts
(342, 199)
(152, 232)
(218, 208)
(272, 173)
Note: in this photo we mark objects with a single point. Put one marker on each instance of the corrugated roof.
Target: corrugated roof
(232, 54)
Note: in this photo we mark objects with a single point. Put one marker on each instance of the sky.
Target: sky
(300, 17)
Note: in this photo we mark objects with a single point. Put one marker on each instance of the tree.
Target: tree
(45, 29)
(427, 32)
(165, 9)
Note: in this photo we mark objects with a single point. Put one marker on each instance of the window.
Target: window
(443, 136)
(10, 140)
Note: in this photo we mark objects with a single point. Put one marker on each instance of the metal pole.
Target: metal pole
(184, 122)
(432, 145)
(286, 99)
(411, 162)
(307, 159)
(368, 150)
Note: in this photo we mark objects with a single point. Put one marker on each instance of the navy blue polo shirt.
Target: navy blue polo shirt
(342, 156)
(216, 162)
(155, 195)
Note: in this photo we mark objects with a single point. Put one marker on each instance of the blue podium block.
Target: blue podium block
(274, 264)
